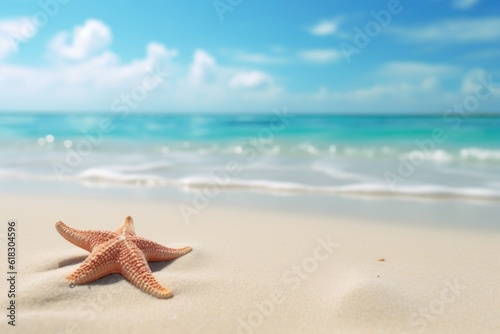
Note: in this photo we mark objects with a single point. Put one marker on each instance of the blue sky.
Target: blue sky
(249, 55)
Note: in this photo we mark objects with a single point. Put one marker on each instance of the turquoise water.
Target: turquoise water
(450, 156)
(478, 131)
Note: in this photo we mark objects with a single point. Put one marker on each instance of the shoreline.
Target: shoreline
(436, 212)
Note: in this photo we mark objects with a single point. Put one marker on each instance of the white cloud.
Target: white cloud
(425, 76)
(399, 97)
(410, 93)
(470, 81)
(470, 30)
(205, 72)
(250, 79)
(157, 51)
(464, 4)
(320, 56)
(275, 56)
(324, 28)
(99, 77)
(87, 85)
(203, 68)
(86, 40)
(14, 32)
(327, 28)
(210, 86)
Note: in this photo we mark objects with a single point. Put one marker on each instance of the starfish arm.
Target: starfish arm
(127, 227)
(83, 239)
(100, 263)
(136, 270)
(155, 252)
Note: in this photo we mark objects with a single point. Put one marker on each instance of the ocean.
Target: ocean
(280, 153)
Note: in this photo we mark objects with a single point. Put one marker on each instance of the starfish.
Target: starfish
(119, 252)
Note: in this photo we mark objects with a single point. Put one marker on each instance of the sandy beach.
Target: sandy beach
(255, 271)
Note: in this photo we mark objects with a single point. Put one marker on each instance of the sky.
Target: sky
(311, 56)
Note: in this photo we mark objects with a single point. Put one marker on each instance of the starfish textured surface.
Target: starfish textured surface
(120, 252)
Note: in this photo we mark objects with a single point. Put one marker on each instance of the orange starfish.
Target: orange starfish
(119, 252)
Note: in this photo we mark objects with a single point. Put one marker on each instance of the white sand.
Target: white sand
(255, 272)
